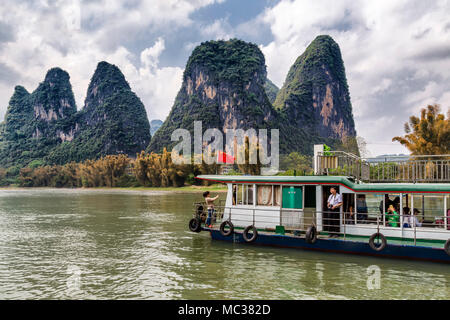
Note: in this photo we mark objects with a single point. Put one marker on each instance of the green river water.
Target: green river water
(114, 244)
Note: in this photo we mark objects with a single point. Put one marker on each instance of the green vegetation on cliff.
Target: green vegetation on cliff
(45, 126)
(315, 98)
(271, 90)
(113, 121)
(34, 122)
(223, 86)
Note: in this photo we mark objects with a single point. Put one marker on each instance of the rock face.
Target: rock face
(46, 126)
(223, 86)
(113, 120)
(315, 95)
(34, 123)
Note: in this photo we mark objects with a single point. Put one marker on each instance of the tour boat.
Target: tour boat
(292, 212)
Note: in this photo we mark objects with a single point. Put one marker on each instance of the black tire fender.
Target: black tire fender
(311, 235)
(246, 232)
(195, 225)
(447, 247)
(372, 242)
(224, 232)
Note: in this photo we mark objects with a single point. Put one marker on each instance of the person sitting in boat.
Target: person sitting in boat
(411, 220)
(387, 203)
(396, 204)
(350, 215)
(210, 203)
(392, 217)
(334, 203)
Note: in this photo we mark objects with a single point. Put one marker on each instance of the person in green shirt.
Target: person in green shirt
(392, 217)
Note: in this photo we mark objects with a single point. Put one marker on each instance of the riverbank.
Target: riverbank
(185, 189)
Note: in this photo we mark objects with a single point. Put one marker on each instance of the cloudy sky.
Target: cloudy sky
(396, 53)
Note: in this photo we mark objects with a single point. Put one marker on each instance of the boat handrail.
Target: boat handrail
(299, 221)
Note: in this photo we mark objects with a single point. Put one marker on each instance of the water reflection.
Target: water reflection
(116, 244)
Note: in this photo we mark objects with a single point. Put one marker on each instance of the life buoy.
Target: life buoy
(377, 247)
(228, 232)
(246, 232)
(311, 235)
(447, 247)
(195, 225)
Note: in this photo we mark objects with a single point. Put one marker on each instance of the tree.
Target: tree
(349, 144)
(428, 135)
(249, 154)
(296, 161)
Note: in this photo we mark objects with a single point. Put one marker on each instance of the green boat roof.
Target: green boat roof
(334, 180)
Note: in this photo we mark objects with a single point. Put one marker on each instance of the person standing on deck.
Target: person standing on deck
(210, 203)
(334, 204)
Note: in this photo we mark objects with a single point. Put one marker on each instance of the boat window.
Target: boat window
(447, 212)
(348, 200)
(430, 210)
(243, 194)
(264, 195)
(392, 210)
(277, 196)
(239, 197)
(368, 207)
(248, 194)
(293, 197)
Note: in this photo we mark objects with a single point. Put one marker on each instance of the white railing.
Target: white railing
(423, 168)
(297, 222)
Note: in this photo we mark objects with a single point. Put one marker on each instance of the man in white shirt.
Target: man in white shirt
(334, 204)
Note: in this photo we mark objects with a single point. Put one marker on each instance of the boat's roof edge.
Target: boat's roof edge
(337, 180)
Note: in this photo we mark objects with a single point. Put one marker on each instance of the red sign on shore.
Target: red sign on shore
(224, 158)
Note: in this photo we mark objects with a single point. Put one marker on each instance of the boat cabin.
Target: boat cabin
(292, 204)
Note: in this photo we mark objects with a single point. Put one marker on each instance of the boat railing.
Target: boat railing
(297, 222)
(418, 168)
(406, 227)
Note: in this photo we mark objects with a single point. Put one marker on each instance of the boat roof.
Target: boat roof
(333, 180)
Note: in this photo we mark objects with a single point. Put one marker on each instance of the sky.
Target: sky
(396, 53)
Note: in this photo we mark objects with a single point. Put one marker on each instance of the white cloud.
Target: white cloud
(158, 85)
(218, 30)
(47, 35)
(396, 53)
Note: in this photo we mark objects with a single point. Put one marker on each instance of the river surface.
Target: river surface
(114, 244)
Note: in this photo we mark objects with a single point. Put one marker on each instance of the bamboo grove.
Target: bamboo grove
(147, 170)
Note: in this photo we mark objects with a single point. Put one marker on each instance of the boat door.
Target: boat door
(309, 206)
(292, 207)
(293, 197)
